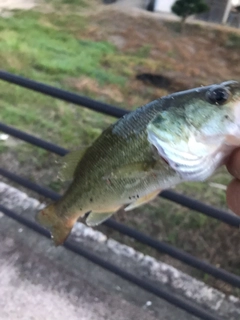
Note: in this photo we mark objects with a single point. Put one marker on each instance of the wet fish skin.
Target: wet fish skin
(148, 150)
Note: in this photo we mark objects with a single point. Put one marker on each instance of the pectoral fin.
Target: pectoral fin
(95, 219)
(70, 162)
(142, 200)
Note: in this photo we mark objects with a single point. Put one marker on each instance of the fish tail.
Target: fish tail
(59, 226)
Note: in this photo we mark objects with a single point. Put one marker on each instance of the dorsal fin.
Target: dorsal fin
(70, 162)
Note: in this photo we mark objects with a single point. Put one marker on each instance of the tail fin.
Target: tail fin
(60, 227)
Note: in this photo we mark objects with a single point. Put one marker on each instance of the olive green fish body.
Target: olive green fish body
(119, 168)
(182, 137)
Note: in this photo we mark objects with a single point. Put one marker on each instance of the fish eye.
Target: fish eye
(217, 96)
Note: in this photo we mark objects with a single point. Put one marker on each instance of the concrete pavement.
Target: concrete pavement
(39, 281)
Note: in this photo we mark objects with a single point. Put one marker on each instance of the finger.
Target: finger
(233, 164)
(233, 196)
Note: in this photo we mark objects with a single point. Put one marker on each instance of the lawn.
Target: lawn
(99, 54)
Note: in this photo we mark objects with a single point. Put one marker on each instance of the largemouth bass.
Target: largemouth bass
(185, 136)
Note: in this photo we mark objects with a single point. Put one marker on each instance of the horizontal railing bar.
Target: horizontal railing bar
(33, 140)
(63, 94)
(210, 211)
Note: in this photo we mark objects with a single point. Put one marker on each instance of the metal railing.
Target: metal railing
(160, 246)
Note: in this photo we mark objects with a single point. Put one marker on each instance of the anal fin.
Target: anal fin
(142, 200)
(95, 218)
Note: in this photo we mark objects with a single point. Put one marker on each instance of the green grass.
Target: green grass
(48, 49)
(233, 40)
(53, 48)
(49, 118)
(3, 147)
(79, 3)
(144, 51)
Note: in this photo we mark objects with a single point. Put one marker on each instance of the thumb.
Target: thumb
(233, 196)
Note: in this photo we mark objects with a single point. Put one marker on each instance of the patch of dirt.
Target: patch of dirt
(160, 81)
(200, 57)
(85, 84)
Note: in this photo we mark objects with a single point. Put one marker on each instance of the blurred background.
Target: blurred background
(125, 53)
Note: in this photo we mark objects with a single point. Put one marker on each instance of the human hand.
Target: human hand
(233, 190)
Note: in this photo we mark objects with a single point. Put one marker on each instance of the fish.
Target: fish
(184, 136)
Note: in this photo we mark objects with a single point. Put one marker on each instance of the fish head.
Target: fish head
(197, 129)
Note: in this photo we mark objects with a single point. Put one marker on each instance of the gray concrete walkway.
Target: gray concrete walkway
(39, 281)
(34, 288)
